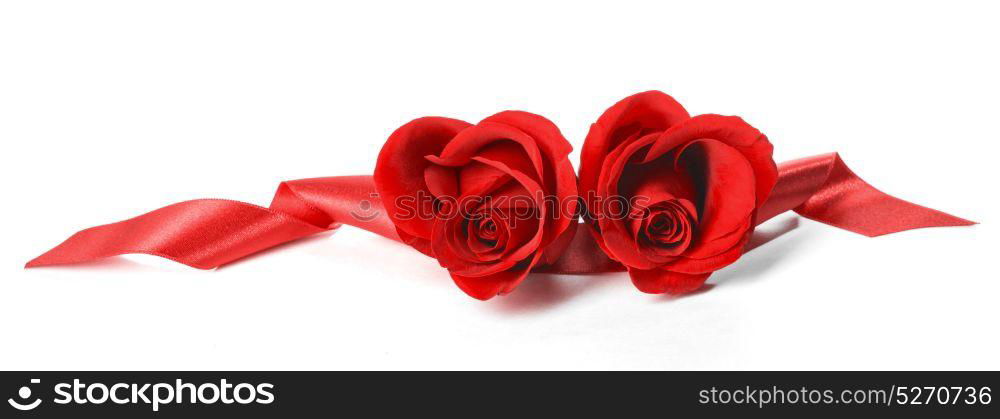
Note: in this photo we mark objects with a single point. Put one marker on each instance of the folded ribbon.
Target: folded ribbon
(208, 233)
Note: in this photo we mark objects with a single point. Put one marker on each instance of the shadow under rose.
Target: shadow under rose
(542, 291)
(762, 236)
(674, 297)
(757, 258)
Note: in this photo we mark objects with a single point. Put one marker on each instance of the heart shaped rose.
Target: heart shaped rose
(487, 200)
(673, 197)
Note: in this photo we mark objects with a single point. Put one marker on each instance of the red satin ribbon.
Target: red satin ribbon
(208, 233)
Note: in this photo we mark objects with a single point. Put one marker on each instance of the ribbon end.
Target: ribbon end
(942, 220)
(45, 259)
(829, 192)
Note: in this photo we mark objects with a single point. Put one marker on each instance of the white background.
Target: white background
(112, 109)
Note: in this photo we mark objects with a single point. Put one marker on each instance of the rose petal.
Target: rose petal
(488, 252)
(614, 233)
(546, 134)
(659, 281)
(512, 195)
(637, 114)
(524, 232)
(614, 166)
(422, 245)
(512, 168)
(441, 181)
(655, 181)
(489, 286)
(712, 263)
(726, 182)
(451, 247)
(721, 244)
(399, 170)
(732, 131)
(678, 210)
(501, 138)
(480, 179)
(559, 177)
(565, 211)
(555, 249)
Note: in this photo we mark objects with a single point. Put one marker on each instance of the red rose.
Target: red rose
(673, 197)
(474, 196)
